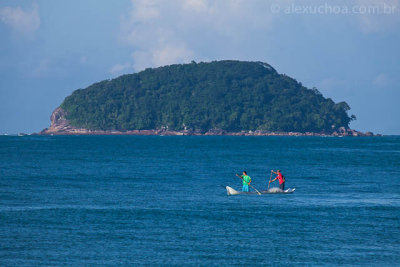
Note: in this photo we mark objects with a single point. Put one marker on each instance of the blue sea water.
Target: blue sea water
(154, 200)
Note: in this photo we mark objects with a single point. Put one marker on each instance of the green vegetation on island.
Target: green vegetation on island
(226, 95)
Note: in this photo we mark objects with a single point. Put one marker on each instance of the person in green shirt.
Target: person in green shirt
(246, 181)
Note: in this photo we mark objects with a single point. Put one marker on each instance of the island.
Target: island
(227, 97)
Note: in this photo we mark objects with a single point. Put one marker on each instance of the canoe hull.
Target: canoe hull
(232, 192)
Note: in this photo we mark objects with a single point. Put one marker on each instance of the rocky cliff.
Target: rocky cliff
(60, 125)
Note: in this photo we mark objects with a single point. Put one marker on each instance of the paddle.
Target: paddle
(270, 180)
(248, 184)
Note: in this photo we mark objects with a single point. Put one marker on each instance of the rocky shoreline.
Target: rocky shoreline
(161, 132)
(60, 126)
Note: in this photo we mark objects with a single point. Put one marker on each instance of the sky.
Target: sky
(349, 50)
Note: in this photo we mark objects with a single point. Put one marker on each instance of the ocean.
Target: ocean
(161, 200)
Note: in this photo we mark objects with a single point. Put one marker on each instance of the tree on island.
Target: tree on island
(227, 95)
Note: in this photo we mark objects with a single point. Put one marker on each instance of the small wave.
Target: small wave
(93, 207)
(59, 207)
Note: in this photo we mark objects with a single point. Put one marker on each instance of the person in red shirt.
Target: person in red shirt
(281, 179)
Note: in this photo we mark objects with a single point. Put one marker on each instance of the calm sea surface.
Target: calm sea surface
(128, 200)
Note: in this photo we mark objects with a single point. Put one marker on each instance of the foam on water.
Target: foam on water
(275, 190)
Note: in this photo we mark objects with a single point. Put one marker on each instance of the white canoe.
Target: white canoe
(275, 190)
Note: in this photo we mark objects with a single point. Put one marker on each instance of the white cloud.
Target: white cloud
(170, 53)
(118, 69)
(178, 31)
(21, 21)
(144, 10)
(151, 36)
(196, 5)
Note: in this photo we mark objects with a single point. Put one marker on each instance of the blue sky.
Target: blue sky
(349, 50)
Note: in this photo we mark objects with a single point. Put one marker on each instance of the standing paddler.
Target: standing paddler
(246, 181)
(281, 179)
